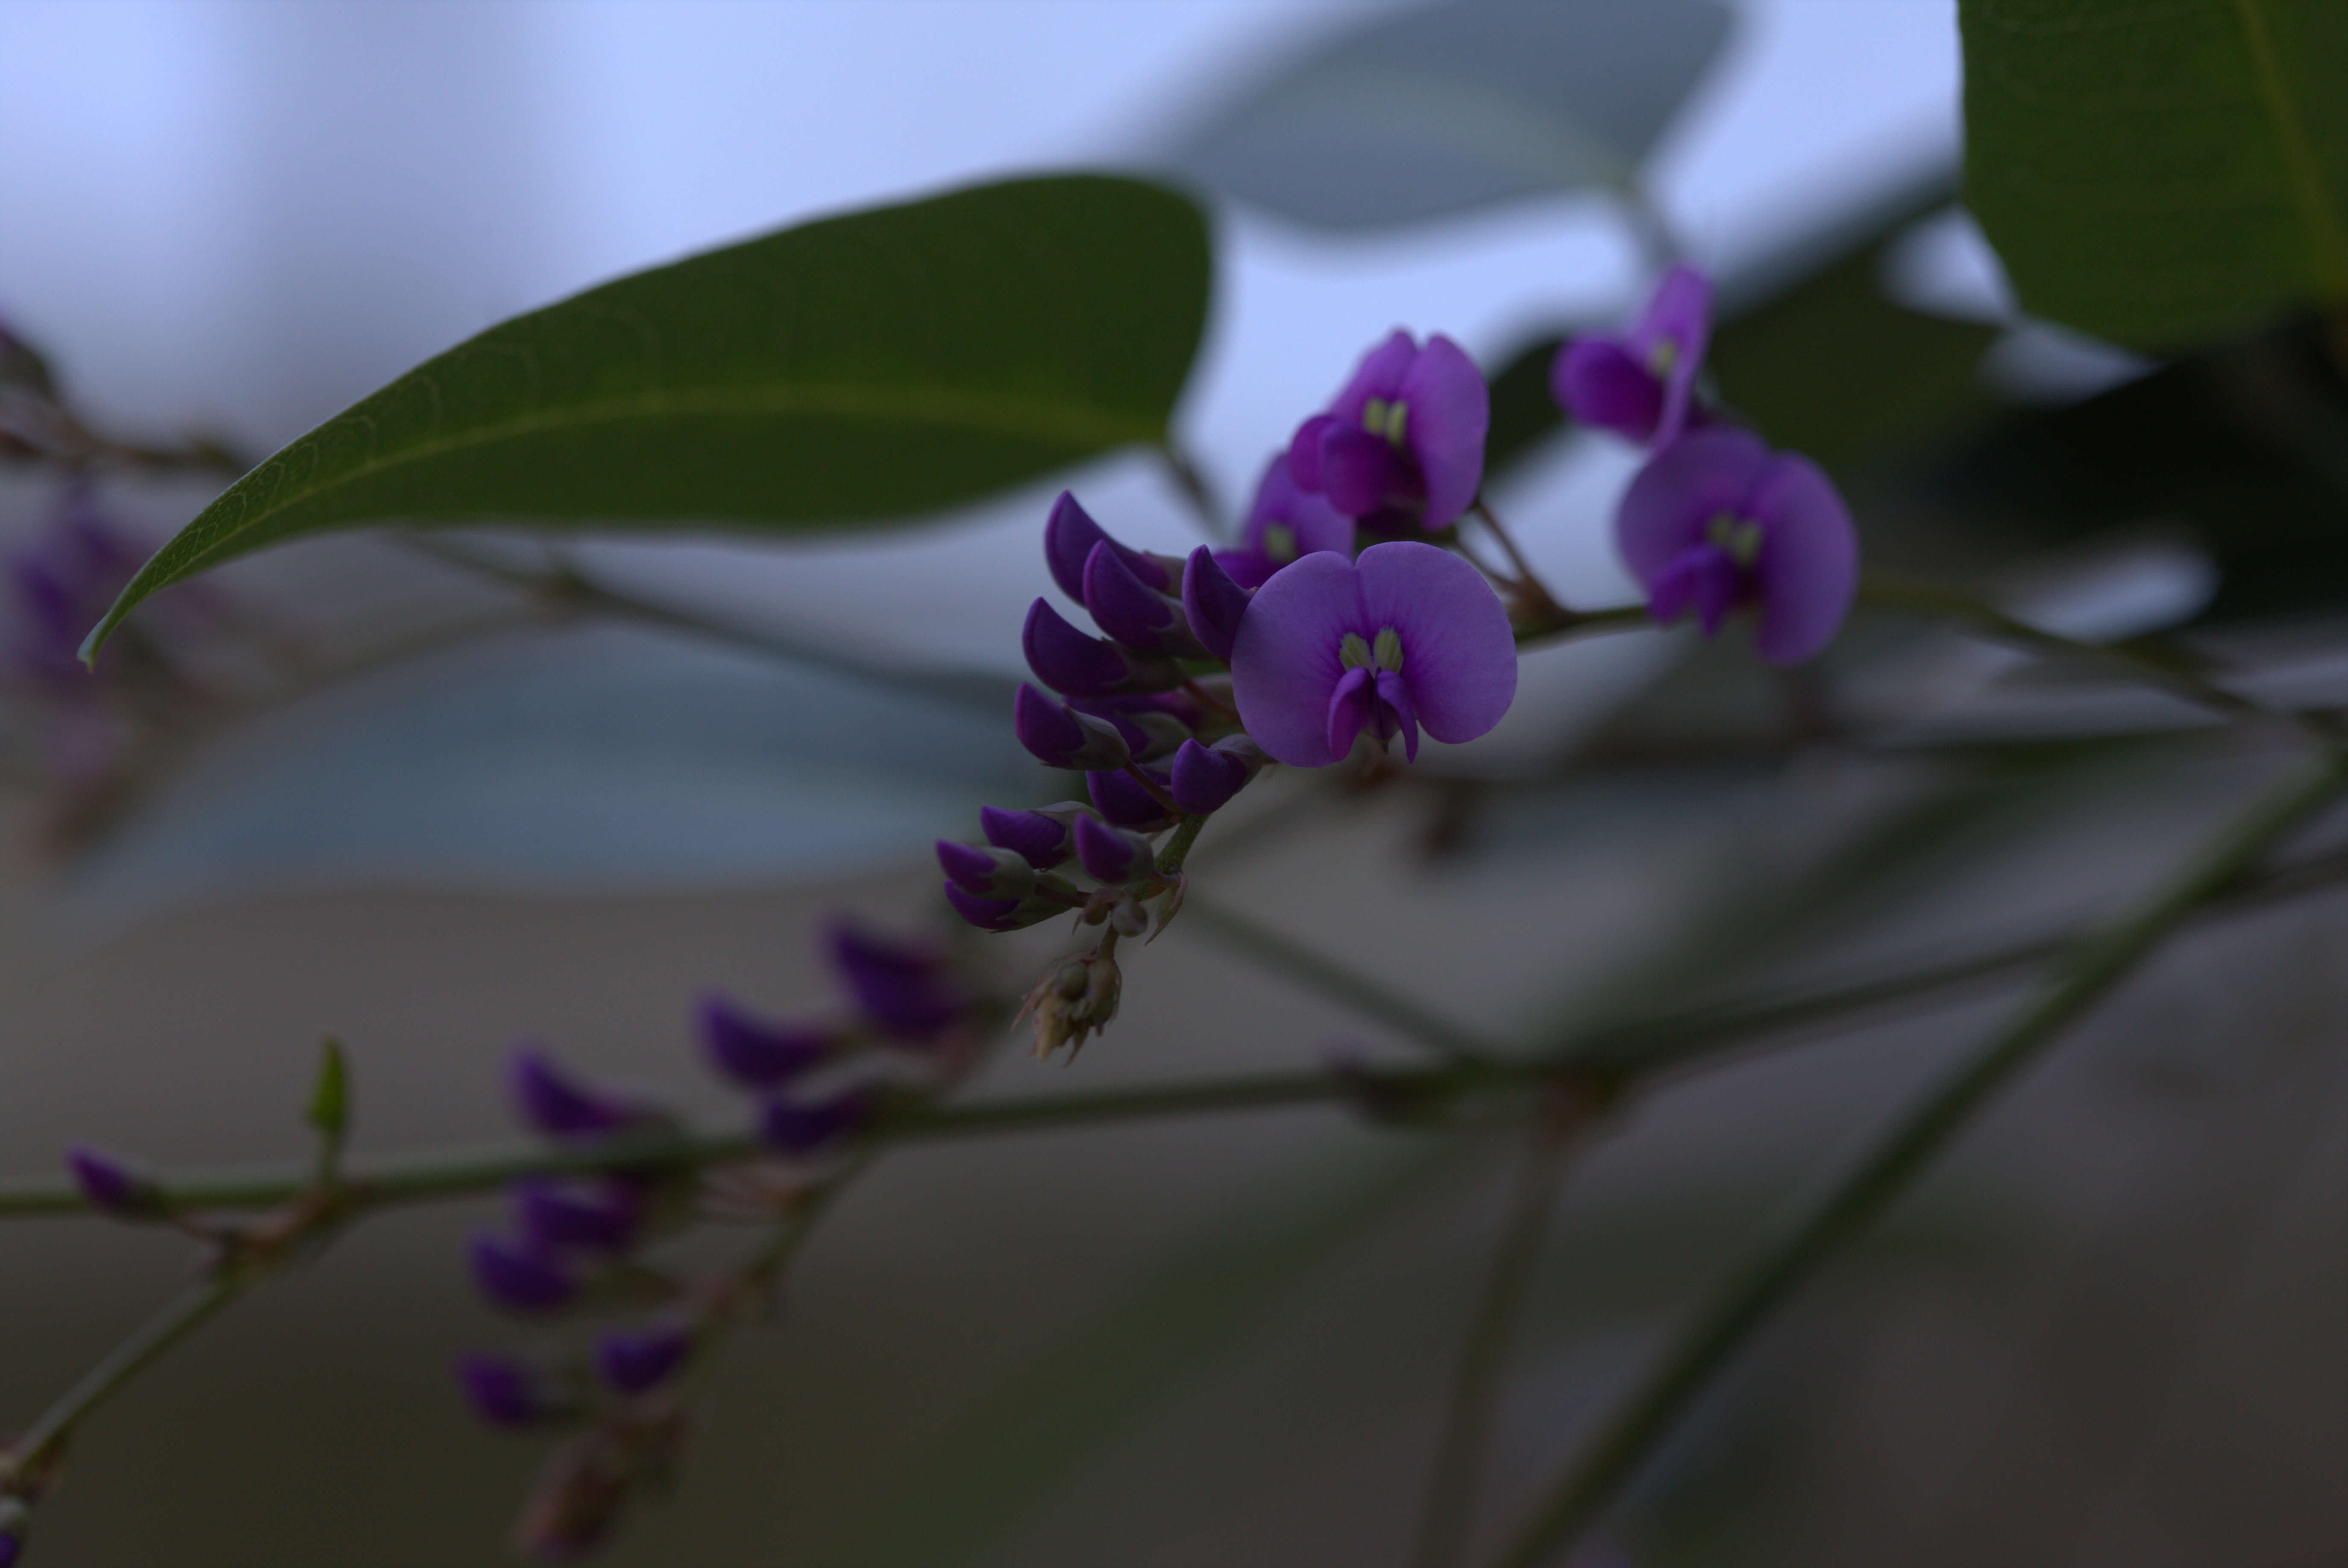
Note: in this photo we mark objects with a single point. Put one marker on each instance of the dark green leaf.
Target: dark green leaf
(2158, 171)
(1451, 108)
(1523, 413)
(329, 1111)
(875, 366)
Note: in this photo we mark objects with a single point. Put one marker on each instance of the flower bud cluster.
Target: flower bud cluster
(575, 1244)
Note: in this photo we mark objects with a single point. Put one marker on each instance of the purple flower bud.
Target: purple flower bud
(1640, 383)
(1131, 611)
(1111, 855)
(1066, 660)
(986, 871)
(1060, 736)
(1125, 803)
(508, 1391)
(555, 1104)
(520, 1278)
(1037, 837)
(756, 1054)
(1212, 602)
(1402, 446)
(600, 1216)
(1148, 725)
(906, 988)
(1717, 521)
(632, 1360)
(1204, 779)
(1069, 536)
(987, 913)
(16, 1519)
(112, 1184)
(1406, 636)
(802, 1128)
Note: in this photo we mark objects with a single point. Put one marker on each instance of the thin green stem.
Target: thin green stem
(1281, 954)
(1585, 622)
(1177, 848)
(1744, 1301)
(1450, 1507)
(121, 1364)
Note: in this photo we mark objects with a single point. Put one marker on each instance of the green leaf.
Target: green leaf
(883, 364)
(329, 1111)
(2159, 172)
(1446, 108)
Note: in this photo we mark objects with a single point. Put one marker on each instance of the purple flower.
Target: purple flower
(1060, 736)
(507, 1391)
(1204, 777)
(1408, 636)
(905, 988)
(802, 1128)
(1134, 614)
(1111, 855)
(557, 1105)
(1069, 536)
(1286, 521)
(1124, 803)
(520, 1278)
(1403, 446)
(1039, 838)
(631, 1360)
(1717, 521)
(986, 870)
(1068, 660)
(1639, 382)
(755, 1053)
(1212, 602)
(600, 1216)
(112, 1184)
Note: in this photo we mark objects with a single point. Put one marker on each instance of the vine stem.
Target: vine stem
(1744, 1302)
(1452, 1485)
(181, 1317)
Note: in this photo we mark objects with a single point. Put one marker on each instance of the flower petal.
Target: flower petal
(1459, 656)
(1668, 503)
(1681, 311)
(1394, 697)
(1379, 375)
(1308, 517)
(1809, 563)
(1450, 412)
(1598, 382)
(1361, 472)
(1351, 708)
(1284, 661)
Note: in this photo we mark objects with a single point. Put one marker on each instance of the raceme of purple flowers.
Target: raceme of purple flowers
(1716, 523)
(574, 1240)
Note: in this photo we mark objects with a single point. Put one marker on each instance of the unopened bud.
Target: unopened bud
(1129, 918)
(521, 1277)
(756, 1054)
(1124, 802)
(986, 871)
(1212, 602)
(1204, 779)
(1070, 536)
(1039, 838)
(1132, 611)
(516, 1391)
(1070, 661)
(632, 1360)
(114, 1185)
(1112, 855)
(598, 1216)
(553, 1103)
(804, 1128)
(1059, 736)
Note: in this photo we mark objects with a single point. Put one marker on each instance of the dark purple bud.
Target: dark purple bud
(555, 1104)
(1132, 611)
(1069, 536)
(16, 1520)
(756, 1054)
(1125, 803)
(1204, 779)
(1038, 838)
(1066, 660)
(986, 871)
(1010, 915)
(904, 988)
(802, 1128)
(1060, 736)
(1212, 602)
(1149, 731)
(602, 1216)
(632, 1360)
(1111, 855)
(114, 1185)
(508, 1391)
(520, 1278)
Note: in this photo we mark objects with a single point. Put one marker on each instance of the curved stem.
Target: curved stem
(121, 1364)
(1744, 1302)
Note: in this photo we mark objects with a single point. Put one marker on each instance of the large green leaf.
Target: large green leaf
(2156, 172)
(874, 365)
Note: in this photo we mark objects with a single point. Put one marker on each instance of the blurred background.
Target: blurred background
(360, 790)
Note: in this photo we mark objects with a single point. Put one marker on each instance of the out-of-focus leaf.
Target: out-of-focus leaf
(1451, 107)
(883, 364)
(2246, 445)
(2159, 171)
(1523, 413)
(25, 366)
(607, 757)
(1019, 1445)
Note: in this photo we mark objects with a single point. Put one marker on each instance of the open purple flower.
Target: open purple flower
(1402, 448)
(1639, 382)
(1407, 637)
(1718, 522)
(1286, 521)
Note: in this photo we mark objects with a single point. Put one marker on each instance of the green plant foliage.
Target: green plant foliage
(860, 368)
(2159, 172)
